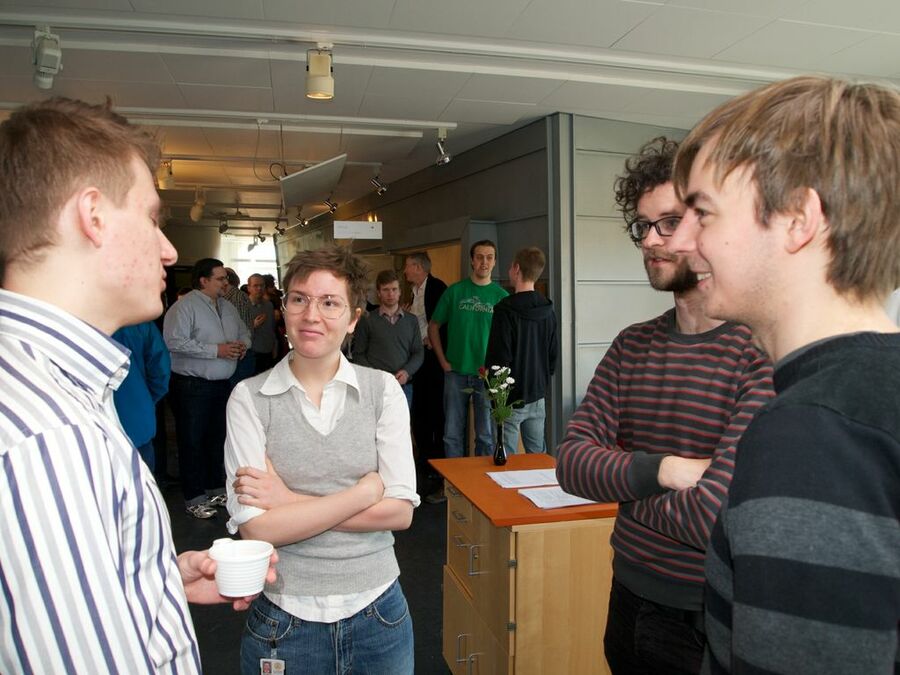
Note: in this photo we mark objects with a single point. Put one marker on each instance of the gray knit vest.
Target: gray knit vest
(331, 563)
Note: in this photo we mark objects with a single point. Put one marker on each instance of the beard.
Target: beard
(679, 280)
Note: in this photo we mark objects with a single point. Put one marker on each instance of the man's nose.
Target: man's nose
(684, 239)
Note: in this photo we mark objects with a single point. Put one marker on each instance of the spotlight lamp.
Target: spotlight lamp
(167, 179)
(319, 74)
(46, 56)
(223, 226)
(199, 204)
(280, 229)
(444, 157)
(380, 188)
(261, 236)
(332, 207)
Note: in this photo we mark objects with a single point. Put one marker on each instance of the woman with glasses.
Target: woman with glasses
(319, 463)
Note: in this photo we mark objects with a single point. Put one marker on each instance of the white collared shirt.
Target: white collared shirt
(417, 307)
(245, 446)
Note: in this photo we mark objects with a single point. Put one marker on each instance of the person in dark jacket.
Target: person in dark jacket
(428, 384)
(524, 337)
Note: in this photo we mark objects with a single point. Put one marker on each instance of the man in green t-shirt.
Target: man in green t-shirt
(467, 307)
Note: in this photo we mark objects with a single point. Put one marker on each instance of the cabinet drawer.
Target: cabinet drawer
(469, 648)
(459, 554)
(459, 510)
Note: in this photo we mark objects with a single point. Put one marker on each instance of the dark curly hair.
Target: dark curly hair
(649, 168)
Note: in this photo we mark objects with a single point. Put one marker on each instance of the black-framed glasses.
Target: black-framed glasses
(665, 227)
(329, 306)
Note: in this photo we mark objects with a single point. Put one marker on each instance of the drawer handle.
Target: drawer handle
(473, 558)
(460, 518)
(470, 663)
(453, 491)
(459, 542)
(458, 639)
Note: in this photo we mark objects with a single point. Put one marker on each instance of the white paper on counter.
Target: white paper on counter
(553, 497)
(526, 478)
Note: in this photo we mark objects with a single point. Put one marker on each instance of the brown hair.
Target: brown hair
(531, 262)
(385, 277)
(838, 138)
(49, 150)
(335, 259)
(483, 242)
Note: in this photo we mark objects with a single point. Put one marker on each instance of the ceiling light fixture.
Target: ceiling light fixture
(166, 177)
(46, 56)
(319, 74)
(332, 207)
(199, 203)
(380, 188)
(280, 229)
(223, 226)
(444, 157)
(261, 236)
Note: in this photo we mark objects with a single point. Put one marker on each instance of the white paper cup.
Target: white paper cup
(241, 566)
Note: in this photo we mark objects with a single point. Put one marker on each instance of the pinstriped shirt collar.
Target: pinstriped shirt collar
(79, 350)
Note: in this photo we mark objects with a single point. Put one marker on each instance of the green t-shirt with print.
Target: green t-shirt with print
(467, 309)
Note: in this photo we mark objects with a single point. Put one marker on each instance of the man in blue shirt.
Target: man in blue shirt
(206, 338)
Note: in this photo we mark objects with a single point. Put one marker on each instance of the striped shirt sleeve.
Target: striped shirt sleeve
(688, 515)
(78, 597)
(589, 462)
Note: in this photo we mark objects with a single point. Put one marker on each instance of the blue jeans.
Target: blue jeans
(378, 639)
(408, 392)
(529, 420)
(456, 409)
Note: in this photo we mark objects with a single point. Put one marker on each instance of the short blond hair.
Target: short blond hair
(838, 138)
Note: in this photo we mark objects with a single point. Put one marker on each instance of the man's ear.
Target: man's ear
(355, 320)
(89, 209)
(805, 219)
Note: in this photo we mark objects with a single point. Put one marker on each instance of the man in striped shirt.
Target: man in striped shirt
(792, 227)
(656, 432)
(89, 580)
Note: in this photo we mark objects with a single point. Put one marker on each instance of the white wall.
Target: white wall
(608, 284)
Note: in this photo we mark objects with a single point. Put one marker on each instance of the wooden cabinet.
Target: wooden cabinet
(525, 589)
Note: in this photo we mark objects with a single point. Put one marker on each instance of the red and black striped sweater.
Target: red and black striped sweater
(659, 392)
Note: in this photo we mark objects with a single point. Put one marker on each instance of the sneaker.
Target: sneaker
(436, 497)
(217, 500)
(201, 511)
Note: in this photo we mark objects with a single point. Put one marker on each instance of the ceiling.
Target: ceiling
(222, 81)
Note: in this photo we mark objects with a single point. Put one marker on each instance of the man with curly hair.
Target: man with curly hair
(656, 432)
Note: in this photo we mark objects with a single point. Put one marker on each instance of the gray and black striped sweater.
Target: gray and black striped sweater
(804, 563)
(659, 392)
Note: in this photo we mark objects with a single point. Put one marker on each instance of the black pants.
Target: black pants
(199, 408)
(428, 412)
(646, 638)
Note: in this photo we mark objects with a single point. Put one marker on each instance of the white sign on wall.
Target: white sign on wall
(357, 229)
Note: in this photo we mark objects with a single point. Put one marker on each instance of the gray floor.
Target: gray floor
(420, 552)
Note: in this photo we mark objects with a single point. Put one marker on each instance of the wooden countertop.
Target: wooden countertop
(505, 507)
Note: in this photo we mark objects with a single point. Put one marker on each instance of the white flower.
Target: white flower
(509, 380)
(495, 367)
(493, 391)
(504, 385)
